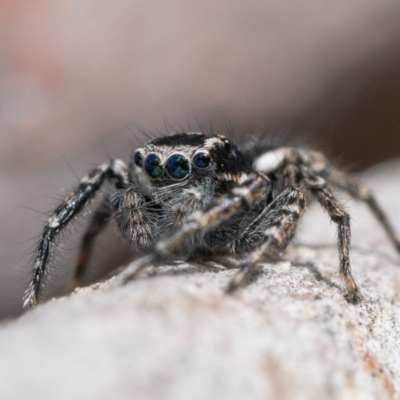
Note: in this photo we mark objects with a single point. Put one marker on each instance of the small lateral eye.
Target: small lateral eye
(228, 144)
(138, 159)
(202, 160)
(177, 166)
(152, 165)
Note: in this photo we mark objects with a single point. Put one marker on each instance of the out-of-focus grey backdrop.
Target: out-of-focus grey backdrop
(79, 78)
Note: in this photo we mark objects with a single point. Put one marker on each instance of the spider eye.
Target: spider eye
(138, 159)
(227, 144)
(202, 160)
(152, 165)
(177, 166)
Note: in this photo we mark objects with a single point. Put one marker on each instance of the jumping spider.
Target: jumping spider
(189, 192)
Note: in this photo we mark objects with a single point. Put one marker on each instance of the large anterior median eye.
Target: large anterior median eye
(177, 166)
(152, 165)
(201, 160)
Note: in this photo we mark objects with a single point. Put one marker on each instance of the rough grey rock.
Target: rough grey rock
(288, 335)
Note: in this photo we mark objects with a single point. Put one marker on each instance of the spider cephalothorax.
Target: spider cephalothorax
(189, 192)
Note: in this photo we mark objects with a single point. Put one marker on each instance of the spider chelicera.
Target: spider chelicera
(190, 193)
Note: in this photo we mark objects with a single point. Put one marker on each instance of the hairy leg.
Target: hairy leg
(309, 170)
(116, 171)
(133, 216)
(275, 227)
(318, 187)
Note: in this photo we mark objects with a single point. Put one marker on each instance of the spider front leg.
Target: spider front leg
(275, 228)
(225, 207)
(128, 207)
(116, 171)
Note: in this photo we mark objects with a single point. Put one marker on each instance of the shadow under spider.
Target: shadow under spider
(314, 271)
(187, 268)
(196, 267)
(223, 263)
(354, 248)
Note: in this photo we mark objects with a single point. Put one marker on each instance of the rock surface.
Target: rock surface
(288, 335)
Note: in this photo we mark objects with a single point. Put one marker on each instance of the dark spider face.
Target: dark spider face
(185, 157)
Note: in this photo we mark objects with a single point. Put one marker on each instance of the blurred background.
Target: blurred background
(79, 79)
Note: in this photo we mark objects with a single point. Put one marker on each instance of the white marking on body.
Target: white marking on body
(117, 163)
(225, 177)
(242, 178)
(194, 192)
(85, 179)
(270, 161)
(241, 191)
(273, 231)
(209, 143)
(53, 222)
(293, 208)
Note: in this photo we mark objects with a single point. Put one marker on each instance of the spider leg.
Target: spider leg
(280, 220)
(311, 169)
(116, 171)
(98, 222)
(222, 209)
(319, 188)
(360, 192)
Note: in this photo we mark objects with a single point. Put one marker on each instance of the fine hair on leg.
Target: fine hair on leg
(280, 222)
(318, 187)
(116, 171)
